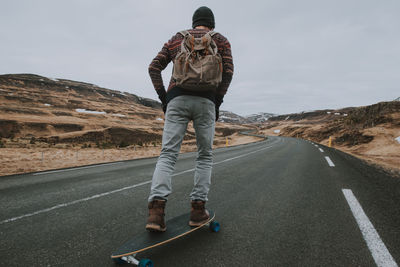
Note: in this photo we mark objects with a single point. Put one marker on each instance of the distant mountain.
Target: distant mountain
(397, 99)
(302, 115)
(230, 117)
(260, 117)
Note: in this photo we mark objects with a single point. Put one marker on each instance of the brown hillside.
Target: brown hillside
(40, 114)
(368, 132)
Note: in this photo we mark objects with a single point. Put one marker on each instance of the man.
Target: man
(180, 106)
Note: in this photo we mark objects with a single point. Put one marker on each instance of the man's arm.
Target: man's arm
(227, 74)
(159, 63)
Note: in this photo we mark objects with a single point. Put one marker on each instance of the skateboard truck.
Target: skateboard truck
(132, 260)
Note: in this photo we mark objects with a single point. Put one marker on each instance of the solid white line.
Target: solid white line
(321, 150)
(329, 161)
(375, 244)
(77, 168)
(74, 202)
(182, 172)
(241, 156)
(115, 191)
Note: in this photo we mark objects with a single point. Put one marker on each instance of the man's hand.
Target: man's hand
(218, 101)
(162, 95)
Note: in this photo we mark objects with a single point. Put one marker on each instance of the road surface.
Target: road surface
(280, 202)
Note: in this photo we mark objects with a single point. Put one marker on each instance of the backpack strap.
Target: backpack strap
(184, 33)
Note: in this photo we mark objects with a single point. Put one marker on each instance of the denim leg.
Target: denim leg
(176, 121)
(204, 125)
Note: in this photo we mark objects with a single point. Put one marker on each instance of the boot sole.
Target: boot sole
(155, 228)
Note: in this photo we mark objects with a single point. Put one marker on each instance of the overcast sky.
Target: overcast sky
(289, 56)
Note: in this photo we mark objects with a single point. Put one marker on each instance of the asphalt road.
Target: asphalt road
(280, 202)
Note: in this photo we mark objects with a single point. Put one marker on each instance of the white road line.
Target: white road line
(329, 161)
(375, 244)
(77, 168)
(182, 172)
(320, 149)
(73, 202)
(63, 205)
(241, 156)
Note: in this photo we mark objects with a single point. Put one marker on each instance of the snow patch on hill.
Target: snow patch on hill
(81, 110)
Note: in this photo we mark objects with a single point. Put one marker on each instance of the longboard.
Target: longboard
(176, 227)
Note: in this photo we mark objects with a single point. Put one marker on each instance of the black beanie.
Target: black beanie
(203, 16)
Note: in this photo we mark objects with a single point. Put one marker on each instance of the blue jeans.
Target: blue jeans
(180, 111)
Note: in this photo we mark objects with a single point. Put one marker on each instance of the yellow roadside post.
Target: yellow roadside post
(330, 141)
(226, 143)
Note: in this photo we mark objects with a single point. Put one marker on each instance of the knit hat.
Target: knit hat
(203, 16)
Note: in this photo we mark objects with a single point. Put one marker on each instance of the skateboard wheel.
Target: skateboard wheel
(145, 263)
(215, 227)
(118, 261)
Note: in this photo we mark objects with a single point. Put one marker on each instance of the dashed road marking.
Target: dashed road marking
(375, 244)
(329, 161)
(320, 149)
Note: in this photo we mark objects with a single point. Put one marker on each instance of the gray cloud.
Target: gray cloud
(289, 55)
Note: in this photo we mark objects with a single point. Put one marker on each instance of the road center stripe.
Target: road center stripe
(329, 161)
(74, 202)
(375, 244)
(321, 150)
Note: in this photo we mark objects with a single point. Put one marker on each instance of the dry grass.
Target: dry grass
(383, 151)
(23, 160)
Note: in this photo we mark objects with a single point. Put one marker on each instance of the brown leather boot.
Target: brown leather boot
(198, 214)
(155, 221)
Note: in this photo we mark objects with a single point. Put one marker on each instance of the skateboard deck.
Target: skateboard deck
(176, 227)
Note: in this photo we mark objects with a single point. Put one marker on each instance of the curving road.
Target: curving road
(281, 202)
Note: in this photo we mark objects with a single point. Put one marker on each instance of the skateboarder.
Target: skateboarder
(195, 93)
